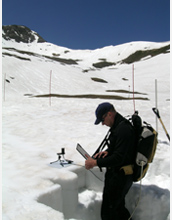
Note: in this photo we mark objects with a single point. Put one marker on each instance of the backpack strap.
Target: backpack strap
(106, 138)
(103, 144)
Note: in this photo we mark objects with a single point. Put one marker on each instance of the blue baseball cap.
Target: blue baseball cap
(101, 110)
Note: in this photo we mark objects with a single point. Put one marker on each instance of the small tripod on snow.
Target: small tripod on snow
(62, 161)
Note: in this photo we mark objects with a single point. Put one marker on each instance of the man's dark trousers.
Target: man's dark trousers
(117, 185)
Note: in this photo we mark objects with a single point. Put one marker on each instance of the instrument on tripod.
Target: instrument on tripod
(62, 159)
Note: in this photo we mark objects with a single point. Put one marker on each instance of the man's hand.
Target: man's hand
(90, 163)
(102, 154)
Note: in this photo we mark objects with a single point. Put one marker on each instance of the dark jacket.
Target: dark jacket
(121, 145)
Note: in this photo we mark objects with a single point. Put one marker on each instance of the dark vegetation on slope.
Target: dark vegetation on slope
(98, 80)
(61, 60)
(125, 91)
(18, 57)
(103, 64)
(140, 54)
(137, 56)
(89, 96)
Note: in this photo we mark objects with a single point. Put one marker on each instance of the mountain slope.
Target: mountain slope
(88, 69)
(107, 56)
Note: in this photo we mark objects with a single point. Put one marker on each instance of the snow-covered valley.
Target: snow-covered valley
(35, 129)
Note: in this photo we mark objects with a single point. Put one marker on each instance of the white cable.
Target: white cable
(137, 203)
(90, 171)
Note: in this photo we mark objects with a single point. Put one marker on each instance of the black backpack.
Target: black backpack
(145, 146)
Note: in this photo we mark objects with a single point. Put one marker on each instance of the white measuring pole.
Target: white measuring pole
(133, 86)
(156, 103)
(50, 89)
(4, 85)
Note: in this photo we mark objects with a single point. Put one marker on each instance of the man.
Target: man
(118, 155)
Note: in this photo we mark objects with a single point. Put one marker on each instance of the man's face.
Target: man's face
(107, 119)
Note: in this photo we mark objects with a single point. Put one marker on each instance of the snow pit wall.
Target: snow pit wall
(63, 196)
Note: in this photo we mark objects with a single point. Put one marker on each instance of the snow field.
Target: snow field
(33, 132)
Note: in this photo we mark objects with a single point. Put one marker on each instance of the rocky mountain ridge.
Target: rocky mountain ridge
(21, 34)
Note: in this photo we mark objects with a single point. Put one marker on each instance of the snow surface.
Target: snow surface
(35, 129)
